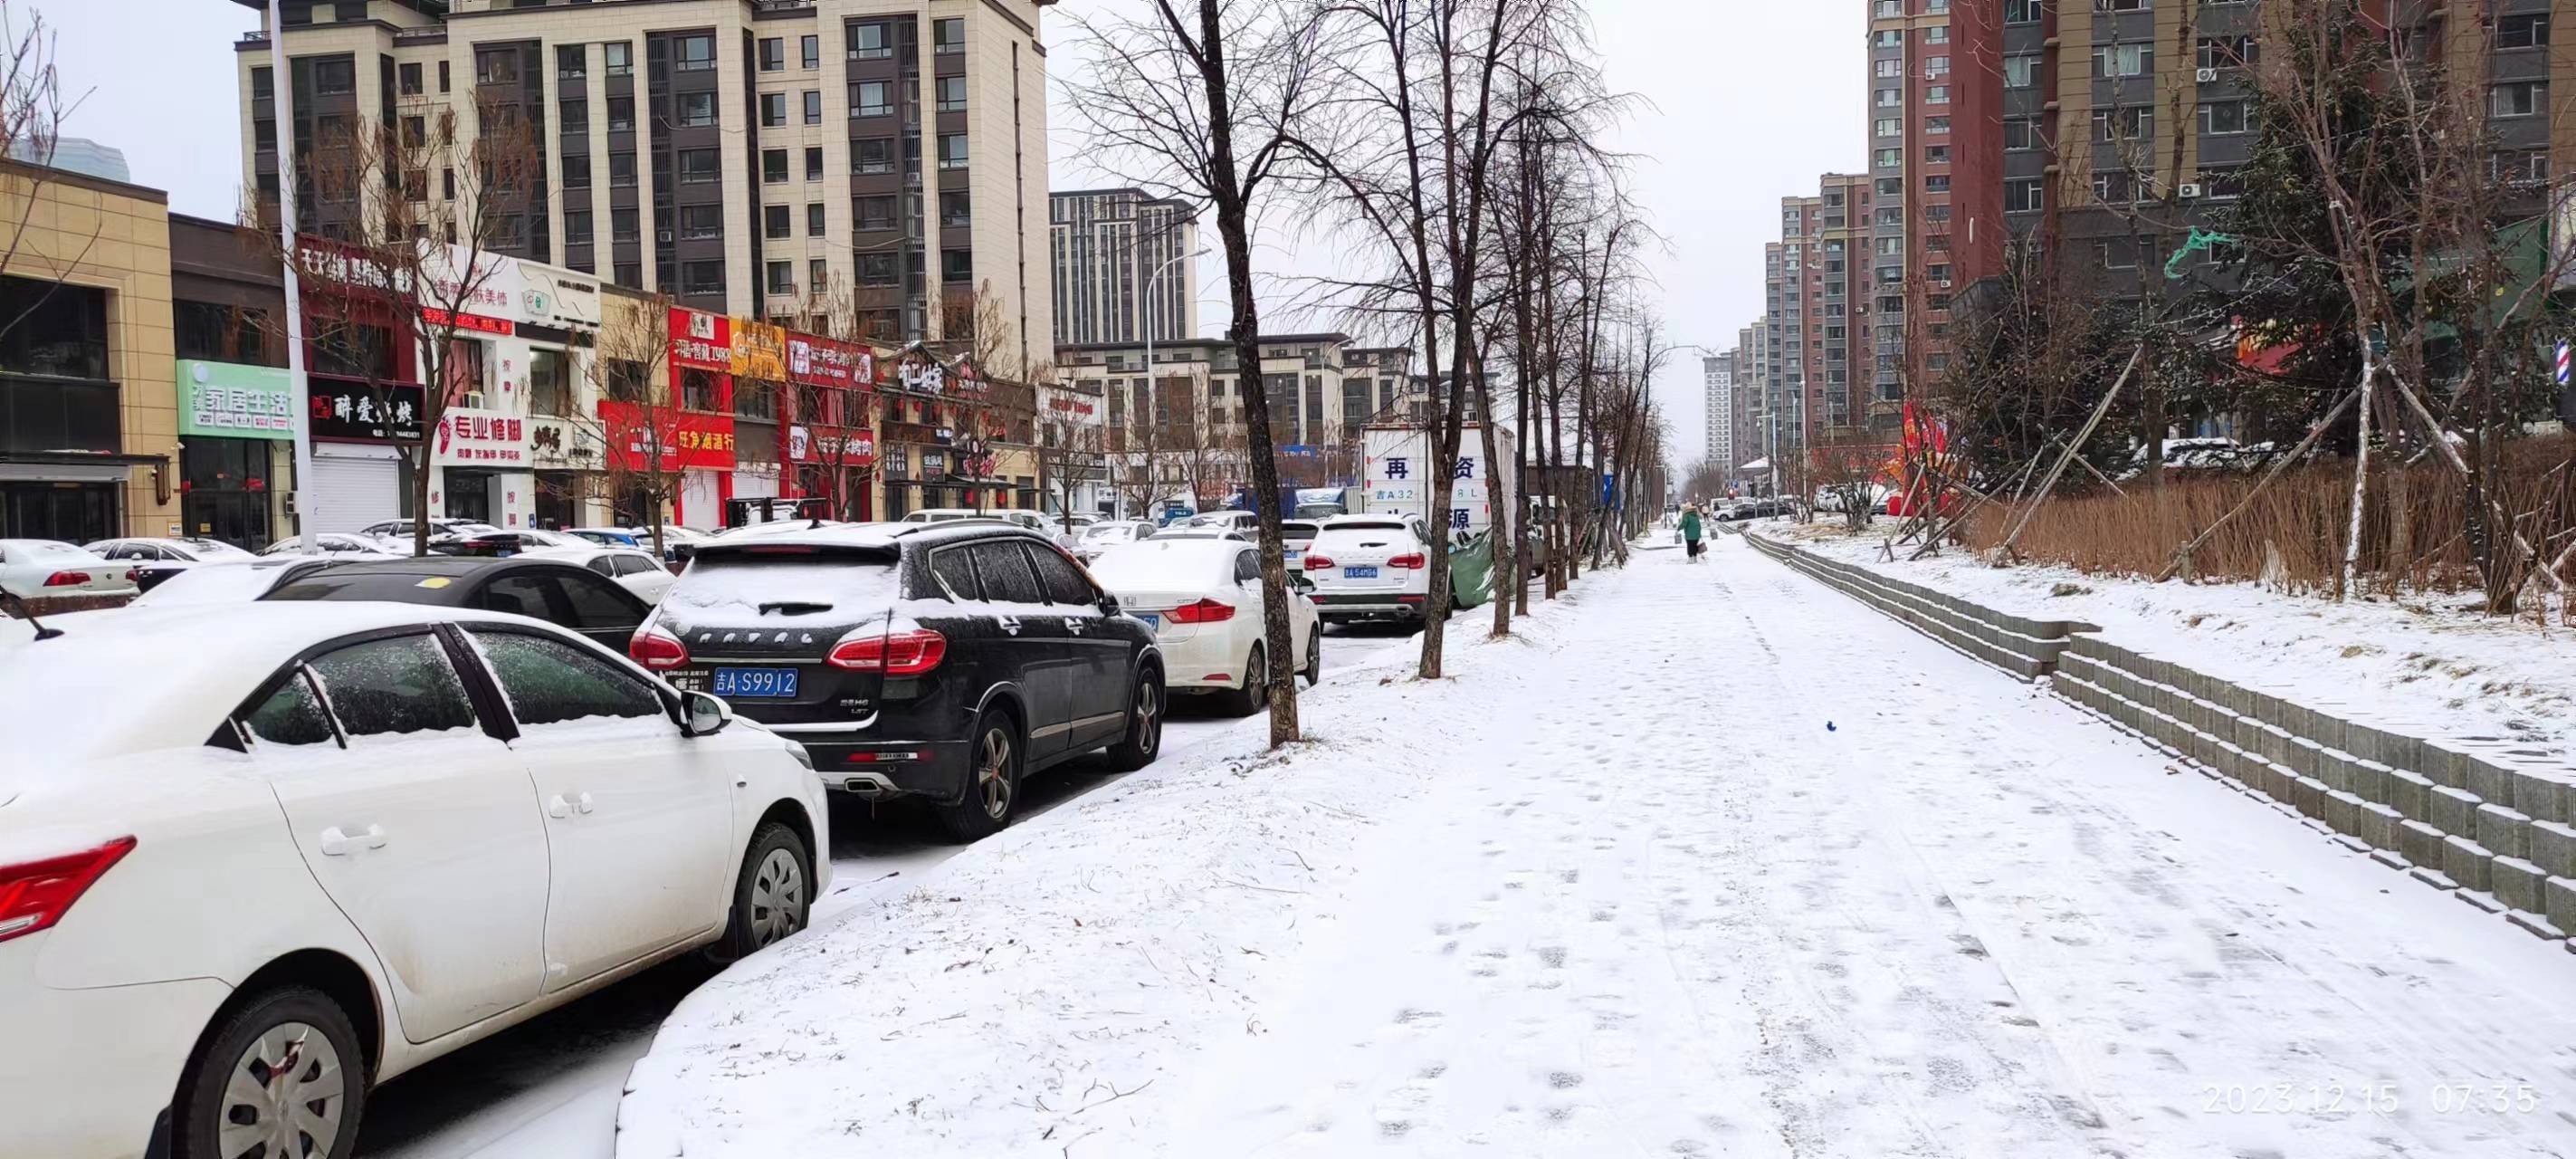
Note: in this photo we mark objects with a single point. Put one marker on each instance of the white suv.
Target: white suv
(1370, 567)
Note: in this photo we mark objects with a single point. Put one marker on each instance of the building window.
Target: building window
(2123, 60)
(1890, 158)
(571, 62)
(442, 76)
(2021, 133)
(871, 98)
(871, 41)
(1937, 183)
(701, 222)
(876, 269)
(773, 110)
(410, 82)
(1936, 154)
(782, 278)
(575, 117)
(332, 77)
(813, 162)
(818, 274)
(814, 219)
(2021, 11)
(812, 49)
(698, 166)
(576, 227)
(2527, 31)
(2229, 184)
(948, 35)
(1891, 98)
(702, 277)
(697, 110)
(621, 114)
(955, 210)
(1936, 66)
(952, 150)
(2134, 123)
(872, 155)
(1891, 127)
(621, 170)
(1937, 34)
(2520, 98)
(956, 265)
(1936, 126)
(776, 219)
(2116, 188)
(773, 53)
(1887, 67)
(576, 171)
(624, 224)
(773, 166)
(617, 57)
(952, 94)
(813, 106)
(1936, 94)
(696, 54)
(2021, 195)
(876, 213)
(2226, 51)
(496, 66)
(2021, 72)
(2219, 118)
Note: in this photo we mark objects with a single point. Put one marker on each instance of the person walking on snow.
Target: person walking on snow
(1690, 533)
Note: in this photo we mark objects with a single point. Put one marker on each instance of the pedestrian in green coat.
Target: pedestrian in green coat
(1690, 532)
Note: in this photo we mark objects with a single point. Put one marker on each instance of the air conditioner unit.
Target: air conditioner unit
(2188, 191)
(2206, 76)
(663, 236)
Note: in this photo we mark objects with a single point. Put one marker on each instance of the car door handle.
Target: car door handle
(1011, 624)
(1073, 625)
(336, 843)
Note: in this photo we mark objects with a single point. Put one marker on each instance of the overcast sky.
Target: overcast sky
(1744, 102)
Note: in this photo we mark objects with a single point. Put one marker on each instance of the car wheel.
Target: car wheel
(772, 896)
(1254, 695)
(1314, 671)
(281, 1074)
(992, 783)
(1144, 739)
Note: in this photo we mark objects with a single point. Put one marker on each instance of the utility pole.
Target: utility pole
(282, 86)
(1153, 393)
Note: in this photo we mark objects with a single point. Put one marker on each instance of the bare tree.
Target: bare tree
(32, 111)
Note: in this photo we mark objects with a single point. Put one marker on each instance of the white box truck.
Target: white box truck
(1397, 469)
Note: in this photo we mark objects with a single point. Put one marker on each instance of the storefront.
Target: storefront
(702, 360)
(665, 451)
(231, 418)
(359, 430)
(519, 350)
(830, 438)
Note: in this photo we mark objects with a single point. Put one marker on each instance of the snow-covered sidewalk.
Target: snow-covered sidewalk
(1714, 861)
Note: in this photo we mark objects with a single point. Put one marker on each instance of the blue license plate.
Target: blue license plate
(1359, 573)
(1152, 620)
(755, 682)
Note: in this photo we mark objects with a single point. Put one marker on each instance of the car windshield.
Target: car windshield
(1299, 530)
(784, 583)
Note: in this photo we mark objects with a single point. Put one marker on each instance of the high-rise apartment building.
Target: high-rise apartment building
(1935, 149)
(1745, 410)
(746, 157)
(1120, 267)
(1717, 438)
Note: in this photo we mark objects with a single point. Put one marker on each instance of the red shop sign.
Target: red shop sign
(824, 362)
(687, 439)
(474, 322)
(701, 341)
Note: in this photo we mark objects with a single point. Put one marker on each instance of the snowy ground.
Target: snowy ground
(1714, 862)
(2422, 660)
(549, 1089)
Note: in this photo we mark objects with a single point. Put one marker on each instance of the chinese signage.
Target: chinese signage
(225, 400)
(823, 362)
(701, 341)
(759, 351)
(351, 410)
(844, 448)
(480, 438)
(683, 439)
(474, 323)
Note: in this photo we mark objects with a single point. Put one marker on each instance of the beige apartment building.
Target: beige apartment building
(774, 159)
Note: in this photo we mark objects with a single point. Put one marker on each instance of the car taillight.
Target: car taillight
(134, 575)
(36, 894)
(1317, 563)
(657, 649)
(907, 653)
(1412, 561)
(1202, 612)
(66, 579)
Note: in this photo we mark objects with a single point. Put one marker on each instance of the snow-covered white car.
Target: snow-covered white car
(1067, 530)
(1247, 522)
(234, 581)
(633, 569)
(337, 543)
(610, 536)
(1201, 594)
(1370, 567)
(1295, 535)
(155, 560)
(47, 568)
(1109, 533)
(327, 842)
(507, 543)
(395, 534)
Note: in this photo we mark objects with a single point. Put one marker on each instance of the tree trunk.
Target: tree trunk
(2348, 580)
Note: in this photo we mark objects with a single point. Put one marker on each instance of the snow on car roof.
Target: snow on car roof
(136, 679)
(1147, 561)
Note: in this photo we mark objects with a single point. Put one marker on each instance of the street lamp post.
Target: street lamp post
(1151, 394)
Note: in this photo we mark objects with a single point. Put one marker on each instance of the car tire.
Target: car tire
(1144, 738)
(772, 896)
(995, 757)
(1254, 695)
(1314, 671)
(252, 1036)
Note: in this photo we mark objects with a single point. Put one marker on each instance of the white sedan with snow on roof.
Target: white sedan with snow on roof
(1201, 594)
(323, 843)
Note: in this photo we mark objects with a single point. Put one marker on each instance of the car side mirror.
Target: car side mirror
(1108, 605)
(705, 715)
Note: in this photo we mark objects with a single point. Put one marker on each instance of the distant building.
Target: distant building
(1107, 244)
(1718, 410)
(77, 155)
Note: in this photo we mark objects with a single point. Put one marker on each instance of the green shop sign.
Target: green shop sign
(227, 400)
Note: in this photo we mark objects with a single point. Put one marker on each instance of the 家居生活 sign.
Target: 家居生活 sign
(228, 400)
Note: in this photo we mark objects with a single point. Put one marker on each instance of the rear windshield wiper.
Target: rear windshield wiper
(794, 607)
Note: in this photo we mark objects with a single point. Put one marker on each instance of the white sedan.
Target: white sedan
(154, 561)
(48, 568)
(337, 543)
(1109, 533)
(1202, 597)
(232, 582)
(327, 842)
(634, 569)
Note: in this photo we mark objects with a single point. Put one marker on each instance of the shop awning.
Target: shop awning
(71, 466)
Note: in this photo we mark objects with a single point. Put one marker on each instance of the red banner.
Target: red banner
(826, 445)
(686, 439)
(824, 362)
(474, 322)
(701, 341)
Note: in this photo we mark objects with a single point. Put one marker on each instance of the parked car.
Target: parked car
(1109, 533)
(1370, 567)
(1295, 535)
(154, 560)
(674, 538)
(634, 569)
(396, 533)
(42, 568)
(321, 846)
(1207, 532)
(506, 543)
(232, 582)
(337, 543)
(947, 662)
(942, 515)
(547, 589)
(1067, 530)
(609, 536)
(1202, 598)
(1247, 522)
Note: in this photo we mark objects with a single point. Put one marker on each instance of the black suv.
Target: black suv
(946, 661)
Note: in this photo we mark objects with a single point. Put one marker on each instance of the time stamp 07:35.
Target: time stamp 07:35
(2377, 1098)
